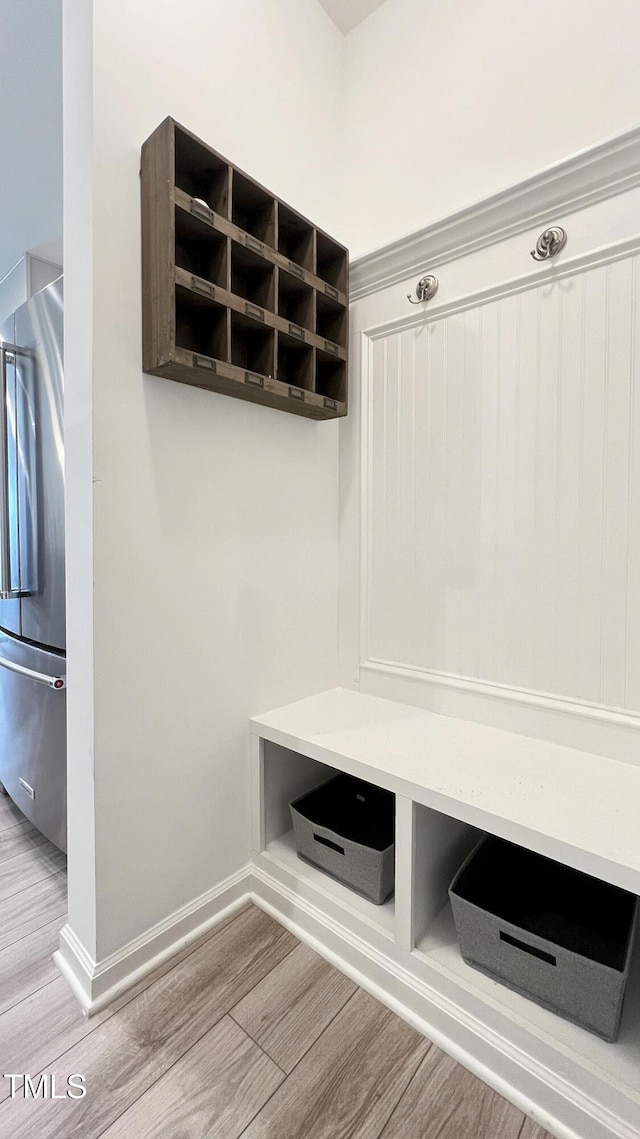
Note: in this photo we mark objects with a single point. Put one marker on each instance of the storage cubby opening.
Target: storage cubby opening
(201, 325)
(331, 377)
(296, 238)
(295, 363)
(252, 209)
(331, 320)
(295, 301)
(201, 250)
(252, 345)
(252, 277)
(441, 845)
(331, 264)
(287, 777)
(201, 174)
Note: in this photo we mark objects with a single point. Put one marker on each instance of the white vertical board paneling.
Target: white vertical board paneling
(504, 491)
(633, 564)
(615, 550)
(591, 498)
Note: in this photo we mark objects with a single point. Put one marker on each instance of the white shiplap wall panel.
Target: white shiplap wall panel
(504, 491)
(633, 567)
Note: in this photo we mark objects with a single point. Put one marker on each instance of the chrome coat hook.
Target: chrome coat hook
(549, 243)
(426, 288)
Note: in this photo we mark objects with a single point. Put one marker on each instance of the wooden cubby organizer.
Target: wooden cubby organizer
(240, 293)
(453, 782)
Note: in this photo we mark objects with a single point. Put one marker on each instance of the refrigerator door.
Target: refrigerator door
(33, 741)
(39, 412)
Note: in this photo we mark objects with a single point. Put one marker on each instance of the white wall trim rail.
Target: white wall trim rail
(543, 700)
(589, 176)
(536, 277)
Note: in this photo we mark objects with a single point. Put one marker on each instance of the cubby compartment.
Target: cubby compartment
(295, 362)
(331, 377)
(252, 277)
(296, 301)
(440, 845)
(201, 325)
(201, 250)
(287, 777)
(296, 238)
(331, 262)
(201, 173)
(331, 320)
(252, 209)
(252, 345)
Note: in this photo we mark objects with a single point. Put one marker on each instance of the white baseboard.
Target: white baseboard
(96, 984)
(529, 1078)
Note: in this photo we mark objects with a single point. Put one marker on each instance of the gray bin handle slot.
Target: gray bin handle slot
(327, 842)
(532, 949)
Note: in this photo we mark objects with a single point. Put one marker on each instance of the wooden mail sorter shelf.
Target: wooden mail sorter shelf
(240, 293)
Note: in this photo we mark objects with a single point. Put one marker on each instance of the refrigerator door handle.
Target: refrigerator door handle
(55, 682)
(15, 453)
(6, 356)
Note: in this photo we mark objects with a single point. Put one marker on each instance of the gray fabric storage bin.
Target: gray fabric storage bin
(346, 827)
(547, 931)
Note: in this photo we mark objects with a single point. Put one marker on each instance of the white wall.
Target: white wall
(451, 100)
(30, 130)
(212, 522)
(203, 531)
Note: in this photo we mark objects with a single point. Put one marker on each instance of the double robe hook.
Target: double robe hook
(549, 243)
(426, 288)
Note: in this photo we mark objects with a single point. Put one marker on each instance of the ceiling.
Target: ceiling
(347, 13)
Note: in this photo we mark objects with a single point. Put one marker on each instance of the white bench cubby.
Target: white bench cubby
(453, 781)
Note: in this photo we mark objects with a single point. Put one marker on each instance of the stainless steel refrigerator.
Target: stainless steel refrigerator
(32, 597)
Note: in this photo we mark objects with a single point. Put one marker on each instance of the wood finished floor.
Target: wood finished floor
(246, 1033)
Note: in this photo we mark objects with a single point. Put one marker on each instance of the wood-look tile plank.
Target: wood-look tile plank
(532, 1130)
(33, 907)
(348, 1083)
(286, 1012)
(36, 1032)
(445, 1101)
(9, 813)
(26, 965)
(42, 1027)
(18, 839)
(24, 870)
(213, 1092)
(130, 1051)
